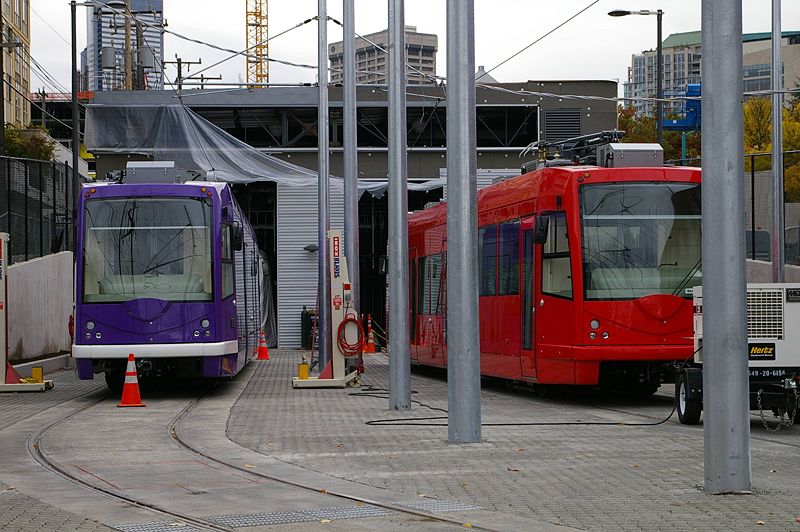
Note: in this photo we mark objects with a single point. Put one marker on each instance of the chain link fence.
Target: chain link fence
(37, 200)
(758, 203)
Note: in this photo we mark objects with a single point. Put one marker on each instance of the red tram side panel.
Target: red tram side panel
(603, 299)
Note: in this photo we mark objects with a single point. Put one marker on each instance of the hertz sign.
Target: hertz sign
(761, 352)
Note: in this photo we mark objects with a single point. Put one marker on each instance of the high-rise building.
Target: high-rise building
(371, 60)
(682, 60)
(16, 61)
(105, 39)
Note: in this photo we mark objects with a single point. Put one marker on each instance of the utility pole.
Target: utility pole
(778, 220)
(128, 55)
(43, 96)
(726, 408)
(463, 366)
(323, 188)
(4, 91)
(180, 63)
(203, 78)
(399, 330)
(351, 227)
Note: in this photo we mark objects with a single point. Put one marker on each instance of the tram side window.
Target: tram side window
(556, 272)
(227, 262)
(488, 262)
(430, 285)
(509, 258)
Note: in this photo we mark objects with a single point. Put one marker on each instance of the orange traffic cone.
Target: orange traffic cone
(12, 377)
(370, 348)
(263, 352)
(130, 392)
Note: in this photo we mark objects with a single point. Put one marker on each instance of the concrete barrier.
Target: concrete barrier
(759, 271)
(39, 306)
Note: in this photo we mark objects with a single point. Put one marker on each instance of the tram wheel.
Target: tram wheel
(689, 409)
(115, 380)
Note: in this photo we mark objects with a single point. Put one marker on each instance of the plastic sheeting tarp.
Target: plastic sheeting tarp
(176, 133)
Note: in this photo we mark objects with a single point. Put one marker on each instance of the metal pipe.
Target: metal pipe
(659, 82)
(76, 139)
(778, 220)
(726, 409)
(351, 223)
(399, 341)
(753, 207)
(41, 211)
(323, 189)
(463, 367)
(128, 53)
(25, 210)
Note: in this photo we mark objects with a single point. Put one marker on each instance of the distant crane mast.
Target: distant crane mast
(257, 45)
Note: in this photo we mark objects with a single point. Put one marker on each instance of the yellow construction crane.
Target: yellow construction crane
(257, 45)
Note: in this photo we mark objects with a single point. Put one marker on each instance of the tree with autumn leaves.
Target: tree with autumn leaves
(757, 137)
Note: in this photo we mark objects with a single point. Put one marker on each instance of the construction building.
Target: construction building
(681, 66)
(103, 60)
(372, 60)
(16, 61)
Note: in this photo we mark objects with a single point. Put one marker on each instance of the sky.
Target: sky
(591, 46)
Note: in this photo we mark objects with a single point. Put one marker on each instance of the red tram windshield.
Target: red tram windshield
(640, 239)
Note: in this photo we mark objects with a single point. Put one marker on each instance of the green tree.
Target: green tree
(31, 143)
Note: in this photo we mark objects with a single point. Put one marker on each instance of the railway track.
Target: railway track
(36, 447)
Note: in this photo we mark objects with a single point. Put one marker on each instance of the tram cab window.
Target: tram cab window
(509, 258)
(556, 269)
(227, 261)
(431, 287)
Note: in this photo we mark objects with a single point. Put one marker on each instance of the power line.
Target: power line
(48, 24)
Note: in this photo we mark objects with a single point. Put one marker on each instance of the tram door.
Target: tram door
(528, 295)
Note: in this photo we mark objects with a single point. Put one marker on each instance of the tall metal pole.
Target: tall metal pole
(323, 190)
(399, 330)
(777, 148)
(128, 54)
(463, 367)
(659, 82)
(726, 408)
(76, 139)
(351, 226)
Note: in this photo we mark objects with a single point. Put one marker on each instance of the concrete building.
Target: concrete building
(105, 27)
(372, 62)
(281, 121)
(681, 66)
(16, 61)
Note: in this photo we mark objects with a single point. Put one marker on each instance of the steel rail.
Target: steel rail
(34, 445)
(175, 432)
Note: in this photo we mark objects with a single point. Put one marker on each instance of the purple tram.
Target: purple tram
(169, 272)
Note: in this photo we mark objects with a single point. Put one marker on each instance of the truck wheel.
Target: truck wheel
(115, 380)
(688, 408)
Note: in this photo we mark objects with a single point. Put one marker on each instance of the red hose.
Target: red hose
(346, 348)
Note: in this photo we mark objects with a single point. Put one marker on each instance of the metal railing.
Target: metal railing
(37, 201)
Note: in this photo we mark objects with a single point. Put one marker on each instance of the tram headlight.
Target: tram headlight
(88, 336)
(204, 323)
(196, 333)
(592, 335)
(594, 325)
(89, 325)
(98, 335)
(605, 335)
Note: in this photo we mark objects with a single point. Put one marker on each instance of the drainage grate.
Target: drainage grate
(347, 512)
(263, 519)
(162, 526)
(436, 506)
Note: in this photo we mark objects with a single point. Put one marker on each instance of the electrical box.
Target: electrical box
(151, 172)
(619, 155)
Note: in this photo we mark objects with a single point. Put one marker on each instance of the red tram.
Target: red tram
(585, 276)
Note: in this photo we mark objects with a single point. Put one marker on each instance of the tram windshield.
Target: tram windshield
(147, 248)
(640, 239)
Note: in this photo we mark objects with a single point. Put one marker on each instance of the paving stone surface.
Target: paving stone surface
(19, 511)
(593, 477)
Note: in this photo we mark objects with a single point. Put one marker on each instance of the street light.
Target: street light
(659, 88)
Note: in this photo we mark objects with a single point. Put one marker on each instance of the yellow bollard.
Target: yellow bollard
(37, 374)
(302, 371)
